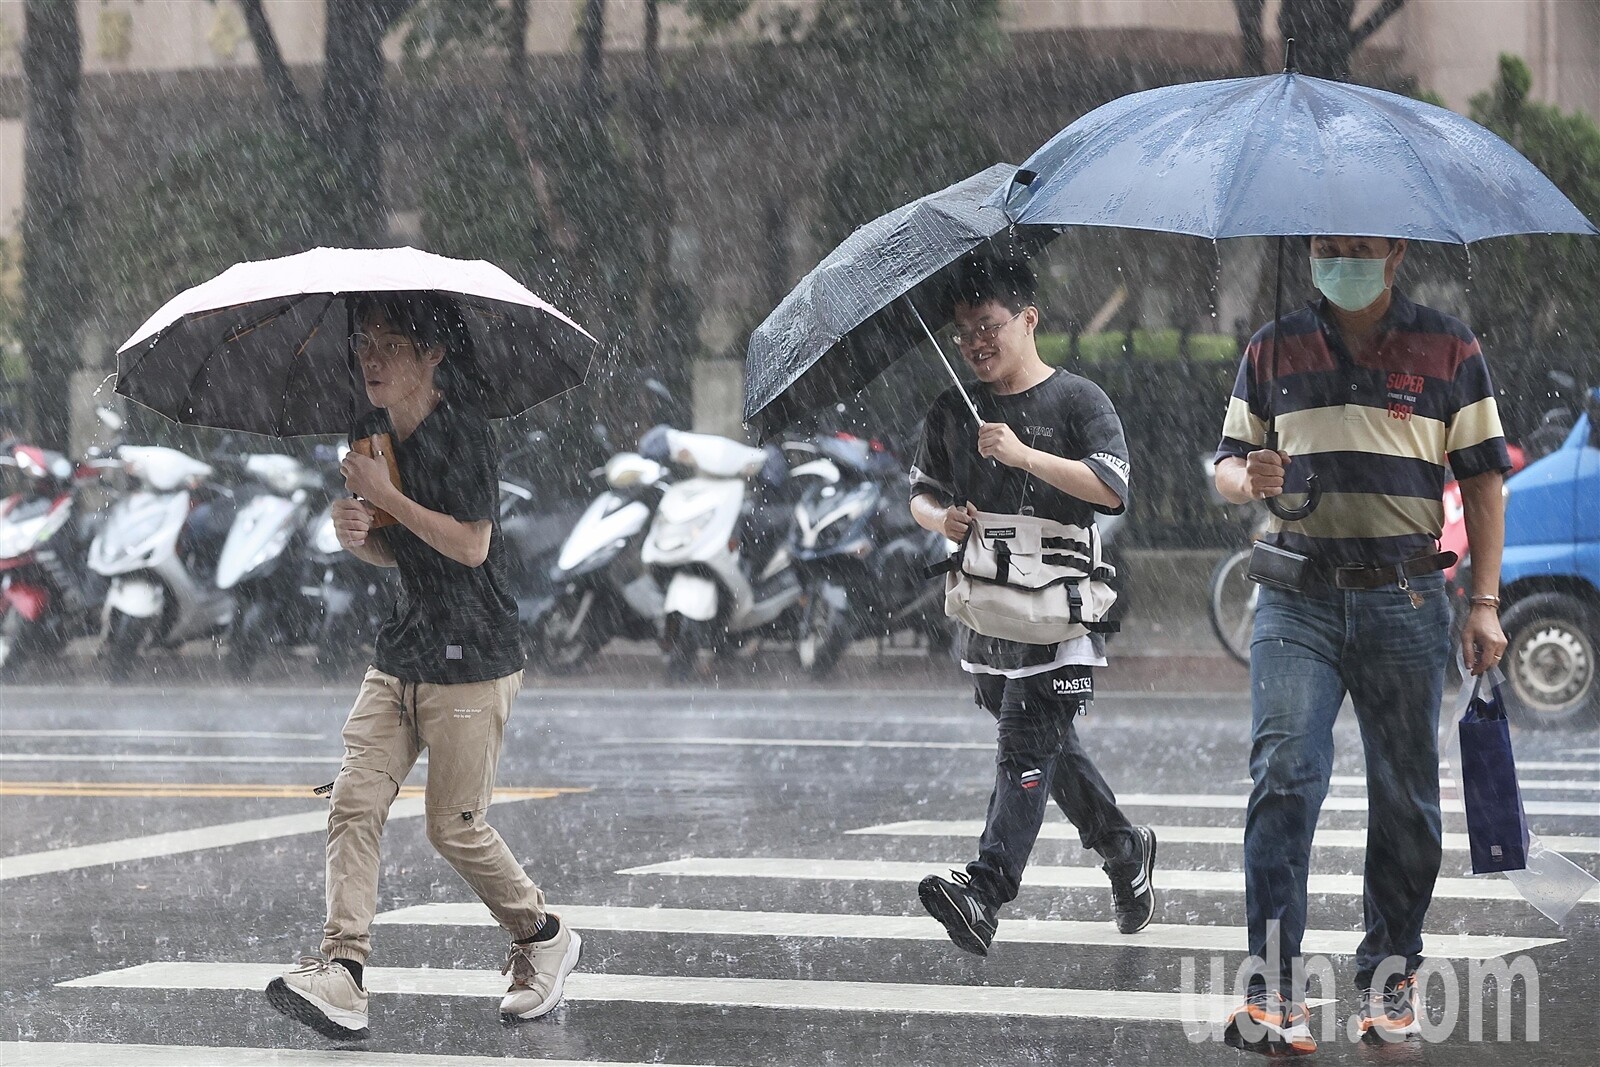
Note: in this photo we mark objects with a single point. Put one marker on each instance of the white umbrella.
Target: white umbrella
(264, 347)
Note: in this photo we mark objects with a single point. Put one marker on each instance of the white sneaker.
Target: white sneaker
(538, 972)
(324, 996)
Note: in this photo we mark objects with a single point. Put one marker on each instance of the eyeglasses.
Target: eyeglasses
(366, 345)
(978, 334)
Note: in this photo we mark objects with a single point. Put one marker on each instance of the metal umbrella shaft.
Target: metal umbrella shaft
(1313, 490)
(948, 366)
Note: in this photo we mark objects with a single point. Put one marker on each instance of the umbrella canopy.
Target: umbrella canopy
(846, 321)
(264, 347)
(1286, 154)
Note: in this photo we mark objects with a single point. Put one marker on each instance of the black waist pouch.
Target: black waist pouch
(1279, 568)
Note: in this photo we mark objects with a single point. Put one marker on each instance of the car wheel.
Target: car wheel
(1550, 662)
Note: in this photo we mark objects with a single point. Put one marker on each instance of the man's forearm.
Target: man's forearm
(465, 542)
(1484, 504)
(376, 551)
(1073, 477)
(928, 512)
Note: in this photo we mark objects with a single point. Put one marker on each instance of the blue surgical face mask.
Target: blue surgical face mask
(1350, 284)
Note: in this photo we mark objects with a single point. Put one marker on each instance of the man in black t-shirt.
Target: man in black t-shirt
(1051, 446)
(447, 668)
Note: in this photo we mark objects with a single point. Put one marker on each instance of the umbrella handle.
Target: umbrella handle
(1313, 492)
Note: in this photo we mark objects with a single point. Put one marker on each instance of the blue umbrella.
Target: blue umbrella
(1285, 155)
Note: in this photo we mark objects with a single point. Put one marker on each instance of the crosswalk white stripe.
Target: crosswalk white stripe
(896, 997)
(797, 742)
(1042, 876)
(219, 735)
(220, 835)
(705, 741)
(84, 1054)
(170, 844)
(1188, 835)
(1547, 765)
(922, 928)
(331, 758)
(1525, 782)
(1238, 802)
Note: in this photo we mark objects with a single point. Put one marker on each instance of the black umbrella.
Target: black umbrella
(873, 299)
(264, 347)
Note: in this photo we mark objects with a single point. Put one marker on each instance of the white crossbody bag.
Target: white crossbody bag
(1023, 578)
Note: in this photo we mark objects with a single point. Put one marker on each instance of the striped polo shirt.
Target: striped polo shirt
(1382, 430)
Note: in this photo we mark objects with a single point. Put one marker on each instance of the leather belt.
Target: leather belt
(1374, 576)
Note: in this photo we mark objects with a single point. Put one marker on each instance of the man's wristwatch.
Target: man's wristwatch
(1486, 600)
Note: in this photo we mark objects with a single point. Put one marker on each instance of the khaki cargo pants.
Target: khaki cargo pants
(461, 727)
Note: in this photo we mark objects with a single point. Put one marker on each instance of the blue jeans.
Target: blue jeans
(1308, 651)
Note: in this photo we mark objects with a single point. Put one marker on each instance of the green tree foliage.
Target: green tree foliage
(238, 195)
(1532, 298)
(912, 61)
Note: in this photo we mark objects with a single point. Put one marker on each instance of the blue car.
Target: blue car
(1550, 581)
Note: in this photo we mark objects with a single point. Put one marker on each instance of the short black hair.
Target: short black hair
(430, 320)
(980, 279)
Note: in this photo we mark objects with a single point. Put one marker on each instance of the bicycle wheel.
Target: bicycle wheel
(1233, 605)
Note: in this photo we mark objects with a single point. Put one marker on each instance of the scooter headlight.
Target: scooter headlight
(271, 548)
(326, 540)
(131, 537)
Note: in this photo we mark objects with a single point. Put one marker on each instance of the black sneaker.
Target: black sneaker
(969, 921)
(1133, 890)
(1390, 1014)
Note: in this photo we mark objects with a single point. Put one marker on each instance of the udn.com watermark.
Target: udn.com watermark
(1456, 1000)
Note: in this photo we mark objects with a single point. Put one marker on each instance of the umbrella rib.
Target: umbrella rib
(294, 364)
(1378, 109)
(1234, 189)
(233, 335)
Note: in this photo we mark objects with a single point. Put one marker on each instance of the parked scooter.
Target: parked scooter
(260, 560)
(47, 594)
(160, 546)
(719, 547)
(602, 589)
(862, 557)
(347, 598)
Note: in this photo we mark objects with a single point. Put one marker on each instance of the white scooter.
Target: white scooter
(600, 586)
(156, 596)
(258, 566)
(718, 549)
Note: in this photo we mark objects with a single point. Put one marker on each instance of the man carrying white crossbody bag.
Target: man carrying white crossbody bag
(1015, 472)
(1024, 578)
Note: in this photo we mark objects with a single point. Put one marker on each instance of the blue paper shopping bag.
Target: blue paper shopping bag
(1497, 827)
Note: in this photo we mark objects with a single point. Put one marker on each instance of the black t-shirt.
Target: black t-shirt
(1066, 415)
(451, 623)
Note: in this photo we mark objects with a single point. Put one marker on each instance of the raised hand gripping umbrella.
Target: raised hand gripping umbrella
(265, 348)
(1285, 155)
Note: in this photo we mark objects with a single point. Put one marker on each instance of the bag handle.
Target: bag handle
(1475, 702)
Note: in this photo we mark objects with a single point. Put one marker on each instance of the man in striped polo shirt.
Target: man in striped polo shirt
(1381, 399)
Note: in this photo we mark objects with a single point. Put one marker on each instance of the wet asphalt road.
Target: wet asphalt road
(709, 843)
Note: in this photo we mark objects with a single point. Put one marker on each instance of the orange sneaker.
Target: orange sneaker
(1272, 1025)
(1391, 1013)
